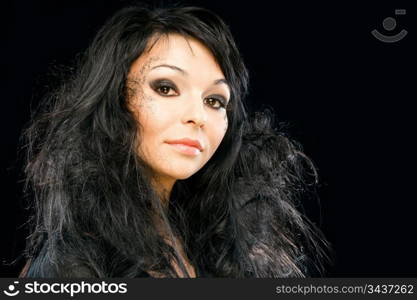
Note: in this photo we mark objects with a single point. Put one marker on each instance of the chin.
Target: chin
(182, 176)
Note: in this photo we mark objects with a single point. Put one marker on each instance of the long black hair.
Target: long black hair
(94, 207)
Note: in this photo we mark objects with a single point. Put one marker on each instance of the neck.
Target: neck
(163, 188)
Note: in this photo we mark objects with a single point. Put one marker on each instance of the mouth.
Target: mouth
(188, 150)
(187, 146)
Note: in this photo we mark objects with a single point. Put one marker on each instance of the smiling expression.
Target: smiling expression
(178, 91)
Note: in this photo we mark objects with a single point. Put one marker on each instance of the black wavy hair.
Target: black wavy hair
(93, 203)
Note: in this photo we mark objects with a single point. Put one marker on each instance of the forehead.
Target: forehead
(185, 52)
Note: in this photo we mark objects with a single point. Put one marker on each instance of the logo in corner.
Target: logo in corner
(12, 290)
(389, 25)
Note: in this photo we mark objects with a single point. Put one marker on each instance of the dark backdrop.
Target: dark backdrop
(346, 96)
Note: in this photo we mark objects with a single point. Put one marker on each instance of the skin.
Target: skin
(176, 90)
(189, 110)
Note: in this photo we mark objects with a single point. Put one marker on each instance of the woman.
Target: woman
(145, 162)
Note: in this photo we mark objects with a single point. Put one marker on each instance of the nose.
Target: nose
(195, 112)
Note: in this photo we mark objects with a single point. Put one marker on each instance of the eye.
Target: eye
(217, 102)
(164, 87)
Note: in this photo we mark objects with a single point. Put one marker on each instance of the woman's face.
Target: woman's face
(178, 91)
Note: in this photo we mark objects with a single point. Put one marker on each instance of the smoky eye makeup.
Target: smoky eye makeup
(167, 88)
(220, 99)
(164, 87)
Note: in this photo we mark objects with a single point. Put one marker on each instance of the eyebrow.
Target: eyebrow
(216, 82)
(171, 67)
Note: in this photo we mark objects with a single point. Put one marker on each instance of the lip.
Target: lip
(187, 142)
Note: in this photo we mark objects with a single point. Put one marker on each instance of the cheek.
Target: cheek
(219, 130)
(149, 117)
(149, 111)
(226, 123)
(154, 125)
(153, 120)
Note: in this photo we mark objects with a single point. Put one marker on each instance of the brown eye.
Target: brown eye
(164, 88)
(216, 103)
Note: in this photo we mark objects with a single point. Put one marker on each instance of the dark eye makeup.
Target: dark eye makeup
(217, 98)
(164, 87)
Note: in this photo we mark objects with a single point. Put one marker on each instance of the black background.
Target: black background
(347, 97)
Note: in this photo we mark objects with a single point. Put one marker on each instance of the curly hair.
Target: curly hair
(93, 203)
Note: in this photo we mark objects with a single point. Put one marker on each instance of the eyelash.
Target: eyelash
(159, 84)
